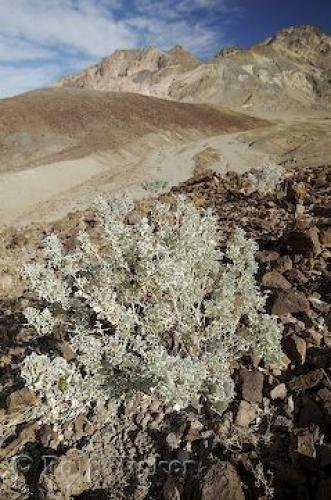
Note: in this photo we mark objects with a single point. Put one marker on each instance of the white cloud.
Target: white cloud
(17, 80)
(160, 33)
(52, 35)
(84, 26)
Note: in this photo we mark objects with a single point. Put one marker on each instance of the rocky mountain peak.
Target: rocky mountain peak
(179, 55)
(228, 51)
(290, 69)
(307, 42)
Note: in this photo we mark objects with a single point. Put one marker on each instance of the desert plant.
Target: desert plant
(267, 178)
(153, 306)
(154, 186)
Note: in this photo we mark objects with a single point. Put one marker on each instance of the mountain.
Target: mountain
(148, 71)
(291, 70)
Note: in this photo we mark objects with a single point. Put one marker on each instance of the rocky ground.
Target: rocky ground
(274, 441)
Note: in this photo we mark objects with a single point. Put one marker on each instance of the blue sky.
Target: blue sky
(40, 40)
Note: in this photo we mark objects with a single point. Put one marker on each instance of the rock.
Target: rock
(304, 445)
(313, 233)
(315, 338)
(6, 284)
(310, 412)
(48, 437)
(279, 392)
(325, 455)
(325, 237)
(287, 302)
(21, 399)
(222, 482)
(276, 368)
(300, 211)
(265, 256)
(323, 490)
(274, 279)
(172, 489)
(13, 352)
(308, 381)
(297, 276)
(325, 396)
(246, 414)
(71, 474)
(194, 431)
(251, 385)
(173, 441)
(304, 243)
(26, 435)
(295, 347)
(284, 264)
(319, 305)
(67, 351)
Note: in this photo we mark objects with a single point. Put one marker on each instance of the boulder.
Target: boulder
(304, 243)
(296, 348)
(325, 237)
(251, 385)
(274, 279)
(222, 482)
(246, 414)
(286, 302)
(279, 392)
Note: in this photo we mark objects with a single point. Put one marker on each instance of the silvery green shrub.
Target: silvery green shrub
(267, 178)
(152, 306)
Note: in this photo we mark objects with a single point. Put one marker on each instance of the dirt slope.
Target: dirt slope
(62, 124)
(60, 147)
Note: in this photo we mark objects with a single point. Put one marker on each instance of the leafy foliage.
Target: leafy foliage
(266, 179)
(153, 307)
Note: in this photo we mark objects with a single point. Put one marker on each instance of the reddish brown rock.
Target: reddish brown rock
(246, 414)
(222, 482)
(23, 398)
(279, 392)
(251, 385)
(67, 351)
(323, 490)
(325, 237)
(297, 276)
(172, 489)
(289, 302)
(265, 256)
(274, 279)
(307, 381)
(296, 348)
(71, 474)
(313, 233)
(284, 264)
(304, 445)
(325, 396)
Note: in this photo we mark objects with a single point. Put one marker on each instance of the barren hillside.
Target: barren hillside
(62, 146)
(59, 124)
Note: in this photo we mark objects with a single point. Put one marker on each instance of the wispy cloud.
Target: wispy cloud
(41, 39)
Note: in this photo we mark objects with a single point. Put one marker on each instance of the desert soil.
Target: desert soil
(42, 179)
(61, 146)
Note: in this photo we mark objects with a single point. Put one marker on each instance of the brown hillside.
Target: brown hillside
(58, 123)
